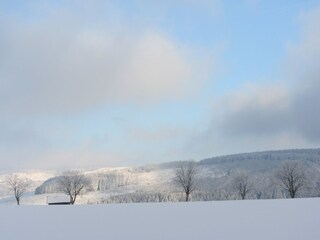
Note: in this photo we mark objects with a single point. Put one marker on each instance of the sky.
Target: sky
(86, 84)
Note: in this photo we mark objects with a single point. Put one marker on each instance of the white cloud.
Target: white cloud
(60, 61)
(51, 68)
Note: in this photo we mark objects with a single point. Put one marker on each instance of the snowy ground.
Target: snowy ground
(29, 198)
(253, 219)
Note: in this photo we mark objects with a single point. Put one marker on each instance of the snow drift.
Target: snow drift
(226, 220)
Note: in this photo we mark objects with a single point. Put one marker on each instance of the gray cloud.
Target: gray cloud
(306, 108)
(304, 59)
(272, 116)
(277, 109)
(256, 111)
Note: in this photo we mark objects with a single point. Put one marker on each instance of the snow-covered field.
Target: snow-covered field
(226, 220)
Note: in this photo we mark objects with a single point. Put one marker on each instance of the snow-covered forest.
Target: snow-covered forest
(217, 178)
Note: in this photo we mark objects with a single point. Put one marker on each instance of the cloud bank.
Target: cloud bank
(59, 62)
(59, 66)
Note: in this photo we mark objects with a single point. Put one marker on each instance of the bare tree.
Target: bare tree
(291, 178)
(18, 185)
(186, 177)
(73, 183)
(242, 184)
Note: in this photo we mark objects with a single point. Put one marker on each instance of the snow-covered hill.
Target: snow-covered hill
(157, 178)
(228, 220)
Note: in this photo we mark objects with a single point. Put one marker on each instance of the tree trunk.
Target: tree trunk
(71, 200)
(187, 197)
(74, 199)
(292, 194)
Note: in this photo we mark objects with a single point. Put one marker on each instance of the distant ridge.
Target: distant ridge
(264, 160)
(261, 159)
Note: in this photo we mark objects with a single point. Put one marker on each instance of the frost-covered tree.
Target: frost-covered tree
(186, 177)
(18, 185)
(242, 184)
(73, 183)
(291, 178)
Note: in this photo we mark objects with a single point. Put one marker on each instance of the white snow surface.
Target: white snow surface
(224, 220)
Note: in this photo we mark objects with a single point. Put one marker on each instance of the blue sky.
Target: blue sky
(118, 83)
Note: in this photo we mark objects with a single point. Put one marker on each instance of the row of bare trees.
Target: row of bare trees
(290, 178)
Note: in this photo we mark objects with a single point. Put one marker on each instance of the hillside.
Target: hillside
(145, 183)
